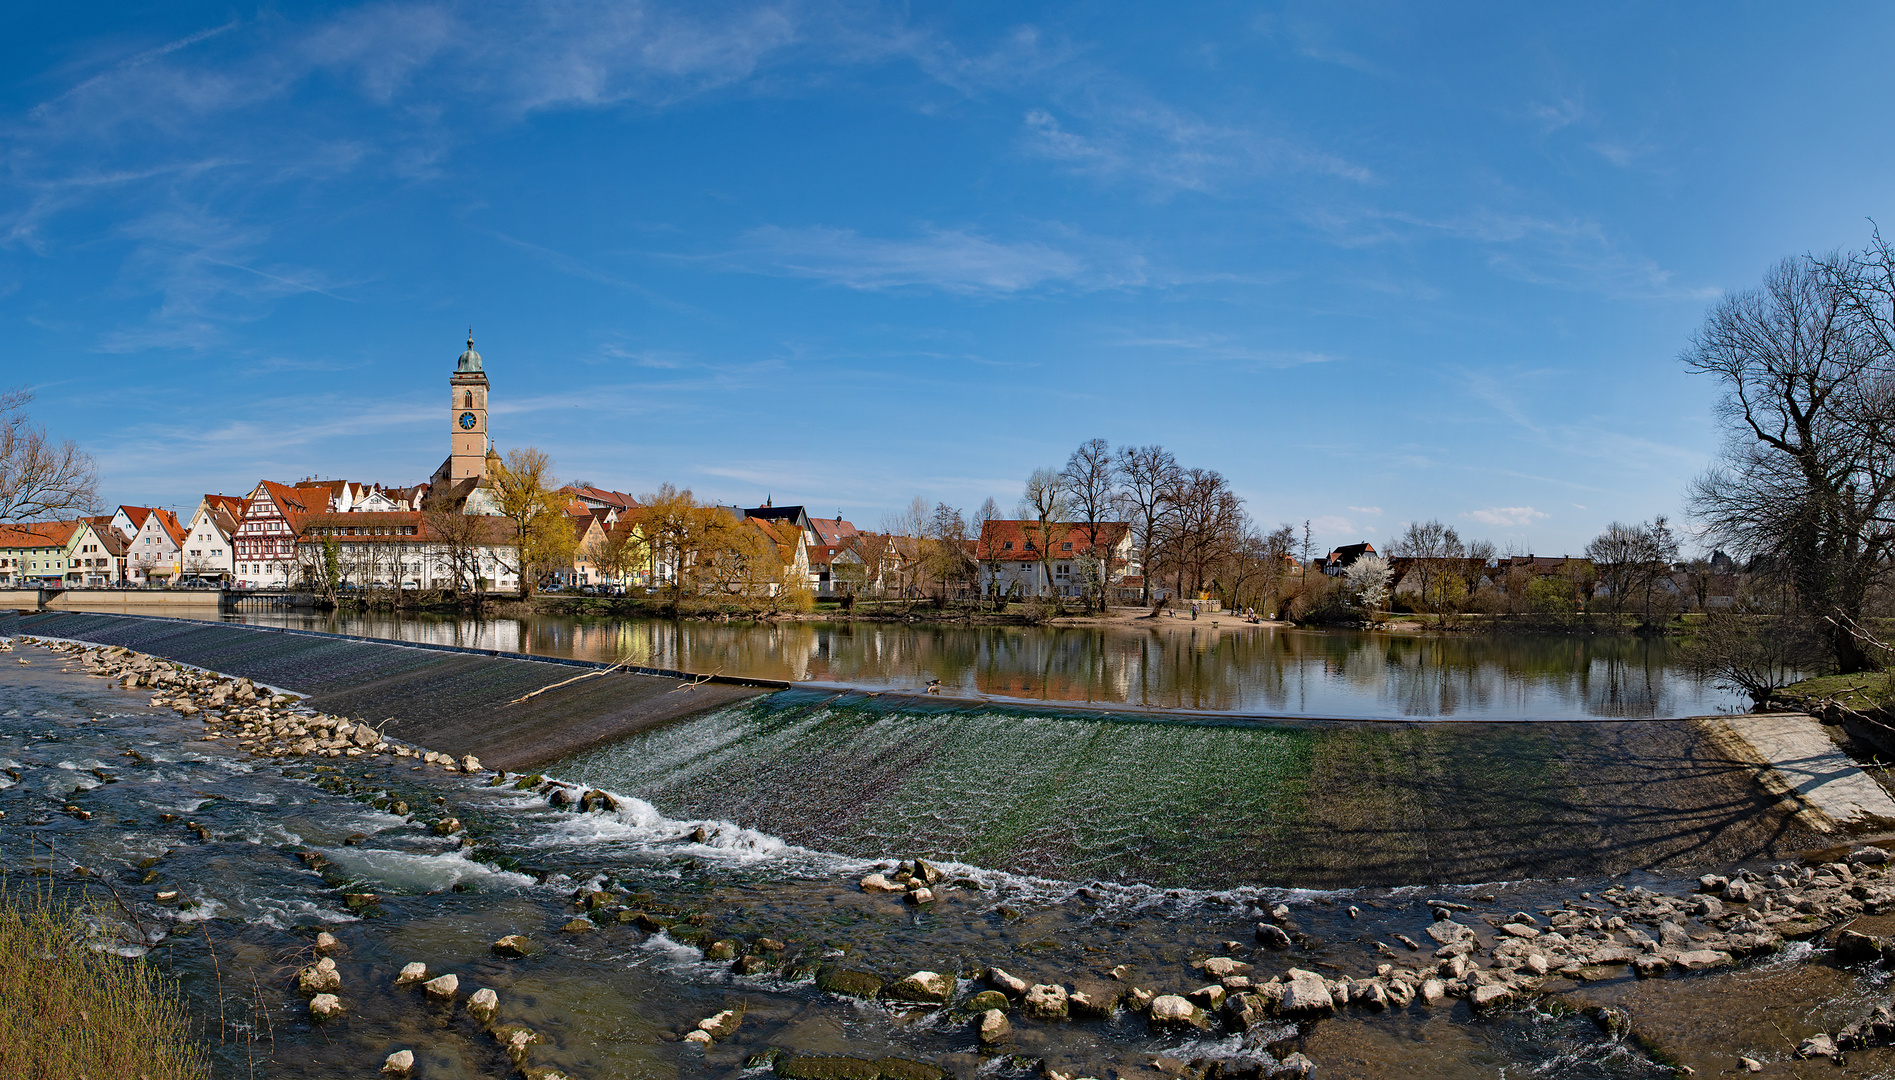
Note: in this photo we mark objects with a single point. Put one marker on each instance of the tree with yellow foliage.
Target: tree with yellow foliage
(530, 500)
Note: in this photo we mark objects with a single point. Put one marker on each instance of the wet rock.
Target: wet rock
(846, 983)
(447, 826)
(1045, 1001)
(1852, 946)
(325, 1006)
(1296, 1065)
(1490, 995)
(985, 1000)
(1271, 936)
(1400, 993)
(1750, 1064)
(1818, 1046)
(1169, 1012)
(513, 945)
(878, 883)
(1869, 856)
(326, 942)
(993, 1027)
(929, 987)
(399, 1063)
(822, 1067)
(1650, 966)
(412, 973)
(319, 977)
(444, 987)
(1305, 993)
(483, 1005)
(1447, 932)
(700, 1038)
(1368, 993)
(577, 926)
(1245, 1011)
(929, 873)
(1221, 967)
(1431, 991)
(470, 764)
(1673, 936)
(721, 950)
(751, 965)
(1208, 997)
(722, 1025)
(1005, 983)
(920, 896)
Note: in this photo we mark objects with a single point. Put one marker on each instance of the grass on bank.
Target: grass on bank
(68, 1010)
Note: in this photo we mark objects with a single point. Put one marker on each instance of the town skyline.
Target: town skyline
(1374, 267)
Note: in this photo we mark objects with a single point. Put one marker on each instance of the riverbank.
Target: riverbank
(638, 929)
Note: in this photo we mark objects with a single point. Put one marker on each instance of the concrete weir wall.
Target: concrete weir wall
(1313, 803)
(459, 702)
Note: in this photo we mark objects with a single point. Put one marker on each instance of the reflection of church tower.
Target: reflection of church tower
(468, 385)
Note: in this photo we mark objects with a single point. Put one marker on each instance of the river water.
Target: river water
(1172, 664)
(1076, 844)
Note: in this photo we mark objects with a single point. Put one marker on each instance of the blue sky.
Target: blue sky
(1374, 263)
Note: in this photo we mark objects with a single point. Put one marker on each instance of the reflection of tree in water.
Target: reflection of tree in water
(1236, 668)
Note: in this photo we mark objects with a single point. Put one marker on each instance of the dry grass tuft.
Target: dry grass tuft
(69, 1010)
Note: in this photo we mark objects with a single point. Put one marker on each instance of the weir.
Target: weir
(1162, 800)
(453, 700)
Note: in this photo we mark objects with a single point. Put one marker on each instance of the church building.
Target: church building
(464, 477)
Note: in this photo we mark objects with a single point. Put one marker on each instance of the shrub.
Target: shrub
(69, 1009)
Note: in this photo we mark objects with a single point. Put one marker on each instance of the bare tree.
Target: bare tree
(1146, 476)
(1434, 551)
(456, 540)
(1206, 519)
(40, 478)
(949, 563)
(1043, 502)
(1632, 561)
(1807, 474)
(1090, 481)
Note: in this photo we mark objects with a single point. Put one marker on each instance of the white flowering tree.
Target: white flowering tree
(1367, 583)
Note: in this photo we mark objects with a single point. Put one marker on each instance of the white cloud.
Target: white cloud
(1331, 525)
(1507, 516)
(951, 260)
(1372, 511)
(1172, 150)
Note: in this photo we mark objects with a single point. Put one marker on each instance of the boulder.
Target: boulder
(1005, 983)
(444, 987)
(319, 977)
(929, 987)
(1306, 993)
(1296, 1065)
(1699, 959)
(1271, 936)
(1431, 991)
(1490, 995)
(483, 1005)
(412, 973)
(470, 764)
(1673, 936)
(987, 999)
(325, 1007)
(399, 1063)
(1221, 967)
(1869, 856)
(1208, 997)
(929, 873)
(1170, 1011)
(878, 883)
(993, 1027)
(513, 945)
(1852, 946)
(923, 895)
(1045, 1001)
(1818, 1046)
(721, 1025)
(697, 1037)
(1447, 932)
(326, 942)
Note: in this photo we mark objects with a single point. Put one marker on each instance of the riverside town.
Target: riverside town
(978, 542)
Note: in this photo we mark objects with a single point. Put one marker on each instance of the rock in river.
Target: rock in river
(923, 986)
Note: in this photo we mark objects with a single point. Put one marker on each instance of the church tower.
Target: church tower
(468, 385)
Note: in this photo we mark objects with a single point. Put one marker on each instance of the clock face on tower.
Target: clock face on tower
(468, 421)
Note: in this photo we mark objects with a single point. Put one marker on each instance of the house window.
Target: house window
(1066, 547)
(1007, 546)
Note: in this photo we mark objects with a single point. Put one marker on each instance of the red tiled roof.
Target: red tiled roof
(832, 531)
(996, 535)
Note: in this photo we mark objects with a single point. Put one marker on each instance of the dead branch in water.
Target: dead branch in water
(568, 682)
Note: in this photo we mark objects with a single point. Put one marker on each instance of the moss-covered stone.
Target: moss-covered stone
(894, 1068)
(988, 999)
(833, 980)
(821, 1067)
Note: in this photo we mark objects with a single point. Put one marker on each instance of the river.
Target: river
(1218, 665)
(1076, 844)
